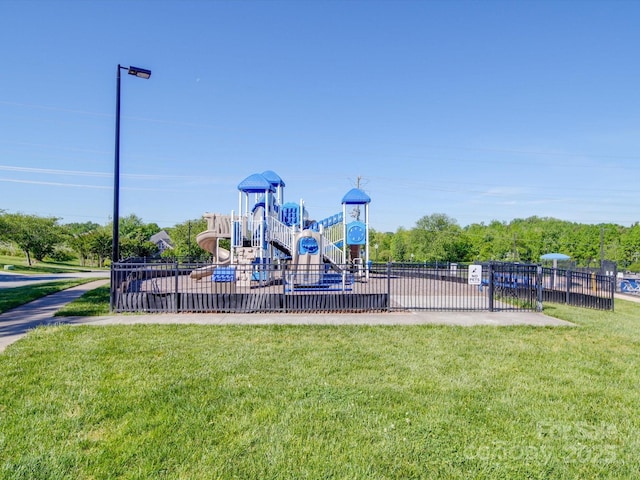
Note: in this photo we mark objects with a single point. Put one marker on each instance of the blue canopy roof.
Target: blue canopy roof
(356, 196)
(255, 183)
(555, 256)
(273, 178)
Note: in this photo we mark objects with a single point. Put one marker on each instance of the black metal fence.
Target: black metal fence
(516, 285)
(581, 289)
(447, 287)
(199, 288)
(188, 286)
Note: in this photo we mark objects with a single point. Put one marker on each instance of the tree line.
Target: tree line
(39, 238)
(439, 238)
(434, 238)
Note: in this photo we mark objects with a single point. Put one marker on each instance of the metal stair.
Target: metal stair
(283, 237)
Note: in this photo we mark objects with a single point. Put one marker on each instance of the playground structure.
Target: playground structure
(278, 260)
(266, 232)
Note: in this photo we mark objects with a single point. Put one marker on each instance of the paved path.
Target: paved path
(627, 296)
(10, 279)
(15, 323)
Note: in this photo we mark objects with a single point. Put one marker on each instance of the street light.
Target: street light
(140, 73)
(376, 247)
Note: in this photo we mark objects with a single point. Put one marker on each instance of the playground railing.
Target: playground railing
(334, 239)
(333, 253)
(280, 233)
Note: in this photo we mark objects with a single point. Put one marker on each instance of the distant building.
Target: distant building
(162, 241)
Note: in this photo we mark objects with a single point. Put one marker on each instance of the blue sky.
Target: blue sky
(480, 110)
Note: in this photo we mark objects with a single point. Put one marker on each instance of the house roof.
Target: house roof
(161, 236)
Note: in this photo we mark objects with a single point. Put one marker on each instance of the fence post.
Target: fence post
(388, 286)
(613, 290)
(491, 287)
(539, 288)
(283, 293)
(175, 301)
(568, 279)
(112, 297)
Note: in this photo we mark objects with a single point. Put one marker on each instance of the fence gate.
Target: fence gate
(515, 287)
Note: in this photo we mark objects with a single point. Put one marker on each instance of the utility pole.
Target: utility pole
(189, 242)
(356, 211)
(601, 249)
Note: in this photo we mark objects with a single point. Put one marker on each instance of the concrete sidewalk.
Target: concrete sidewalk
(465, 319)
(16, 323)
(10, 279)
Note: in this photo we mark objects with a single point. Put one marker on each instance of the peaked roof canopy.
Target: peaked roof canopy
(255, 183)
(356, 196)
(273, 178)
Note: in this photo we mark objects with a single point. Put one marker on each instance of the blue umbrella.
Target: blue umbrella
(554, 256)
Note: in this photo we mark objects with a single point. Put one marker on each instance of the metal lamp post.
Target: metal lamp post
(140, 73)
(115, 241)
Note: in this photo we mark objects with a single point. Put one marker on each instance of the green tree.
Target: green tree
(36, 236)
(134, 237)
(100, 244)
(137, 246)
(399, 246)
(438, 238)
(78, 228)
(183, 237)
(501, 238)
(630, 243)
(78, 240)
(586, 244)
(3, 225)
(383, 241)
(613, 248)
(134, 227)
(80, 243)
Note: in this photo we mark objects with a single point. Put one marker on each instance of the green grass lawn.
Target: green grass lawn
(16, 296)
(92, 303)
(352, 402)
(21, 266)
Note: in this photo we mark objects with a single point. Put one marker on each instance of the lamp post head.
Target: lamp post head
(139, 72)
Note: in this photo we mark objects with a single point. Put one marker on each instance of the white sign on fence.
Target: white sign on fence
(475, 274)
